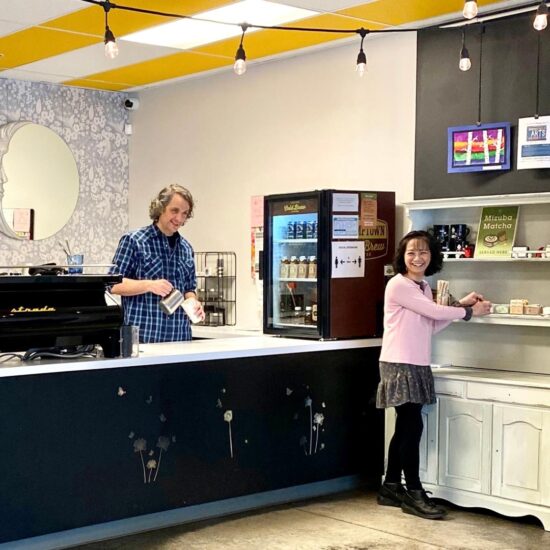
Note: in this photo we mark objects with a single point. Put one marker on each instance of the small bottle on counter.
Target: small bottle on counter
(308, 319)
(314, 314)
(298, 316)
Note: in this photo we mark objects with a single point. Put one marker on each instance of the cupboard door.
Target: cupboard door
(465, 445)
(521, 451)
(428, 445)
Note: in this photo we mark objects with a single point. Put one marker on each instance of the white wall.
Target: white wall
(294, 124)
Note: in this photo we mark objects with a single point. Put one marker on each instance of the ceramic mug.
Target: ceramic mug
(458, 236)
(441, 235)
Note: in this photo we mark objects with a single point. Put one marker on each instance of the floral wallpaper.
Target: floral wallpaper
(92, 124)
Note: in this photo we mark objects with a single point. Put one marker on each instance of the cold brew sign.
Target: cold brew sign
(497, 232)
(376, 240)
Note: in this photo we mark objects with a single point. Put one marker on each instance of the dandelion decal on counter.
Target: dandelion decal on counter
(163, 443)
(140, 445)
(318, 419)
(314, 420)
(228, 417)
(151, 465)
(155, 422)
(308, 403)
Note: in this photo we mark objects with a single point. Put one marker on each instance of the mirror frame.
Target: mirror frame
(6, 133)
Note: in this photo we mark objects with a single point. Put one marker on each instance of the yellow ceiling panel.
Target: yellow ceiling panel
(121, 22)
(270, 42)
(397, 12)
(37, 43)
(156, 70)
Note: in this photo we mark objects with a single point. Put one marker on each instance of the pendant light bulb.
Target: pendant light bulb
(361, 63)
(111, 47)
(541, 19)
(465, 63)
(240, 62)
(470, 9)
(240, 57)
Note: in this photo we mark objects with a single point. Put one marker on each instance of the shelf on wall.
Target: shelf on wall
(514, 320)
(469, 260)
(486, 200)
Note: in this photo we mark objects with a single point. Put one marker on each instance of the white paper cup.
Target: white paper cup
(189, 306)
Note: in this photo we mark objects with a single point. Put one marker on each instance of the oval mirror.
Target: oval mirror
(38, 180)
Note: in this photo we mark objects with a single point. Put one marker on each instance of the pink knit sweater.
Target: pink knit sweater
(410, 318)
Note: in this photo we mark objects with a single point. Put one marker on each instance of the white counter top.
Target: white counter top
(196, 350)
(526, 379)
(224, 331)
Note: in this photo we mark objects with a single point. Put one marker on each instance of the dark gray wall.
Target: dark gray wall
(447, 97)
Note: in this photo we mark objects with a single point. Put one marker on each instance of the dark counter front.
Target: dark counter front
(89, 447)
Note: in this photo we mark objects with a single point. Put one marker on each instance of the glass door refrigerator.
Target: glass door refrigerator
(324, 258)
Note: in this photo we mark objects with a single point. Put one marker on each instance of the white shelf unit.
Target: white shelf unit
(483, 435)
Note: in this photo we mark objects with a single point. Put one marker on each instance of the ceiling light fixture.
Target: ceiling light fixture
(541, 19)
(470, 9)
(465, 63)
(361, 66)
(240, 57)
(111, 47)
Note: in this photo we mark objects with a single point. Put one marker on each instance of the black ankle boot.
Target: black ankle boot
(416, 501)
(390, 494)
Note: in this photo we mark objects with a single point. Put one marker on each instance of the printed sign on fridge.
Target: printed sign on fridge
(348, 259)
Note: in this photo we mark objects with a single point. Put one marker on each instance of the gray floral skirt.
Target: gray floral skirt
(402, 383)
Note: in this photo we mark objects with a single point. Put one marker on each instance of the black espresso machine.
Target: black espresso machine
(58, 311)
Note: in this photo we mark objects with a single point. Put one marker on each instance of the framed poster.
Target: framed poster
(478, 148)
(533, 143)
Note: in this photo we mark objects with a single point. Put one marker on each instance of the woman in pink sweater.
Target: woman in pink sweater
(406, 380)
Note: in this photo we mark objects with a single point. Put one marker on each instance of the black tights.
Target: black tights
(404, 450)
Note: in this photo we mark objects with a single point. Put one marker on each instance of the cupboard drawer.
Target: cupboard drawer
(456, 388)
(538, 397)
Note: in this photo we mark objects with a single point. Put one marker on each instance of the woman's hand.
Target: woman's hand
(483, 307)
(471, 299)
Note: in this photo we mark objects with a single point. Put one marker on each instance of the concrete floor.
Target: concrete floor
(349, 521)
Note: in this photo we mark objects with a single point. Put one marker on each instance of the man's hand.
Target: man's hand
(160, 287)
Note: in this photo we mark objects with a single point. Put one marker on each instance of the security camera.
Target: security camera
(131, 104)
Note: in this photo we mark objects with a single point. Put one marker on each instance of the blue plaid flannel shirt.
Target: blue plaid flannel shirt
(146, 254)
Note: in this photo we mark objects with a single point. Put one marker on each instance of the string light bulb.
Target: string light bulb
(240, 57)
(361, 66)
(541, 19)
(465, 63)
(470, 9)
(111, 47)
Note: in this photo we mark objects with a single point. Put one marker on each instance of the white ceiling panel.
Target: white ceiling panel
(33, 12)
(18, 74)
(91, 60)
(7, 27)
